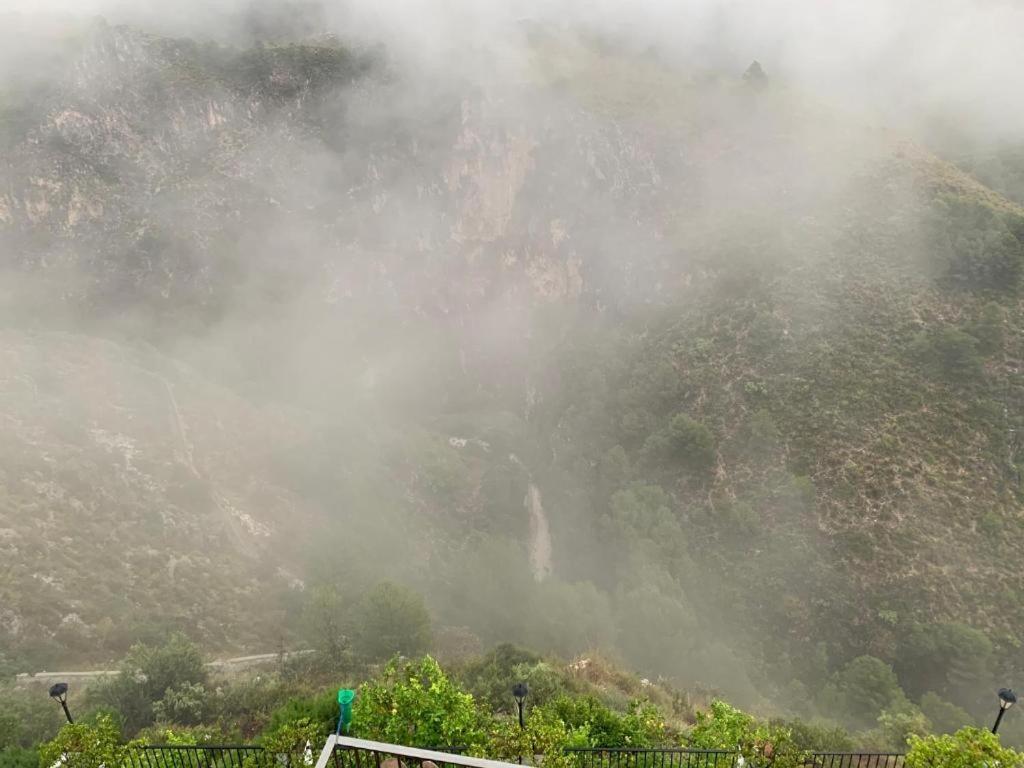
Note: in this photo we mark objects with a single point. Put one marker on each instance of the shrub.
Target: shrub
(899, 723)
(962, 655)
(27, 719)
(84, 745)
(725, 727)
(323, 624)
(692, 442)
(738, 519)
(194, 734)
(981, 248)
(863, 689)
(294, 737)
(321, 710)
(391, 619)
(658, 624)
(642, 726)
(184, 704)
(685, 440)
(147, 674)
(416, 704)
(720, 727)
(967, 748)
(944, 717)
(990, 329)
(491, 677)
(950, 352)
(818, 737)
(545, 734)
(19, 757)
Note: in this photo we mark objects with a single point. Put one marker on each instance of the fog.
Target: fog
(904, 59)
(402, 325)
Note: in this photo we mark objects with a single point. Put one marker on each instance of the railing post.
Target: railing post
(327, 751)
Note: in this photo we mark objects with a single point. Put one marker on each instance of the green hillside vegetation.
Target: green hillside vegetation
(419, 703)
(759, 363)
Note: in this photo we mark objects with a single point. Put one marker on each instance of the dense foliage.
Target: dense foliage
(85, 745)
(157, 682)
(418, 703)
(967, 748)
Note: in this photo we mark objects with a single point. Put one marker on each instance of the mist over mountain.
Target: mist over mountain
(572, 320)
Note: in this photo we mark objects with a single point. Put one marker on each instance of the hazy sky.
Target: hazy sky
(963, 56)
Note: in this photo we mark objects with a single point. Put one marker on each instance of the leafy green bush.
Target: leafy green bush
(324, 626)
(188, 734)
(863, 689)
(720, 727)
(545, 734)
(391, 619)
(85, 745)
(658, 624)
(642, 726)
(416, 704)
(294, 737)
(185, 704)
(899, 723)
(684, 439)
(951, 659)
(19, 757)
(990, 329)
(950, 352)
(321, 710)
(26, 719)
(980, 248)
(491, 677)
(967, 748)
(725, 727)
(147, 673)
(944, 716)
(644, 515)
(818, 736)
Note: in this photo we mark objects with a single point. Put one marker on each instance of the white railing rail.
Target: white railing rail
(394, 750)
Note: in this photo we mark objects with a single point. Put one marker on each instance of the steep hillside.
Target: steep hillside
(289, 314)
(134, 493)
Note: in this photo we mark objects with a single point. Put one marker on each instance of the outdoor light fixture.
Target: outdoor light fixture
(520, 691)
(1007, 699)
(59, 691)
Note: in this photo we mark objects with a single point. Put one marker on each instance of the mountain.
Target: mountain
(292, 314)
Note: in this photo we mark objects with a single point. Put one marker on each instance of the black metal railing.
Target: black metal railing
(857, 760)
(624, 757)
(213, 756)
(252, 756)
(598, 757)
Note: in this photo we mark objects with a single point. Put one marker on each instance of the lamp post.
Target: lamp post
(1007, 699)
(59, 691)
(520, 691)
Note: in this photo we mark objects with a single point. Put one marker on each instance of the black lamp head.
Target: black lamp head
(1007, 698)
(520, 691)
(59, 691)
